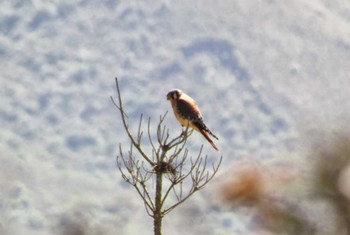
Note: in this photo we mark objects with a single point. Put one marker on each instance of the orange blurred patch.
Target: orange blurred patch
(244, 184)
(250, 182)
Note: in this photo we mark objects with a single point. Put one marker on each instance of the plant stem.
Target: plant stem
(157, 216)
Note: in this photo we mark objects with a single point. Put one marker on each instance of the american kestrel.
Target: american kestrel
(187, 113)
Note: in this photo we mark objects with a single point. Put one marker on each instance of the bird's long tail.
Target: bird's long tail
(205, 134)
(200, 125)
(204, 130)
(211, 133)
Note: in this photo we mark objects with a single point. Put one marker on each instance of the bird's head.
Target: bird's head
(174, 94)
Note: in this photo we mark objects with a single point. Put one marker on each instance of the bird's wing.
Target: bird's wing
(188, 109)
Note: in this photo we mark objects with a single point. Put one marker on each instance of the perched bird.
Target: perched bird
(187, 113)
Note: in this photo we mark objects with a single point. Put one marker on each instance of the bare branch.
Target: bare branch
(149, 136)
(139, 131)
(199, 176)
(124, 116)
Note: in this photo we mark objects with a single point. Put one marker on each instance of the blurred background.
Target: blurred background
(270, 77)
